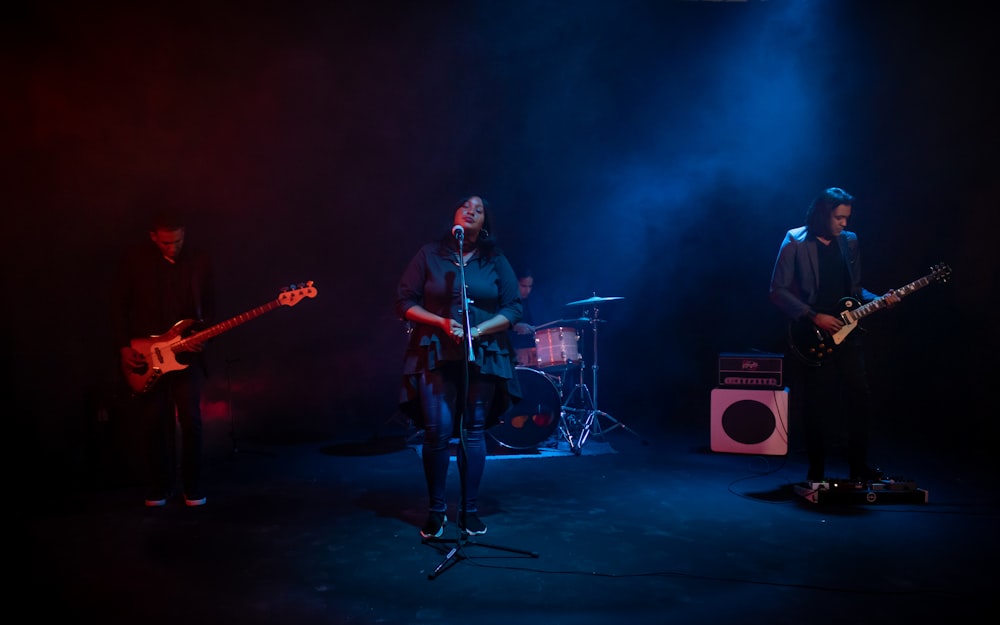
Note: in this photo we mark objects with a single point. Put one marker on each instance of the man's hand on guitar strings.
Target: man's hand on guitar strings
(828, 323)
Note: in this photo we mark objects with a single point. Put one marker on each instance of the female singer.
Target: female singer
(446, 390)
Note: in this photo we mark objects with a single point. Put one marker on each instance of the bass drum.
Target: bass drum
(533, 419)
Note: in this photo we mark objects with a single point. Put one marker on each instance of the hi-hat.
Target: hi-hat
(593, 300)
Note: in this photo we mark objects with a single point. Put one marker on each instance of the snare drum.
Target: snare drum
(533, 419)
(557, 348)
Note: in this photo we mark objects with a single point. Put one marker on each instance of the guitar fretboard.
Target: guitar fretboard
(226, 325)
(940, 272)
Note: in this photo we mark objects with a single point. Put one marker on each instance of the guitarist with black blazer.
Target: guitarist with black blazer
(817, 271)
(160, 283)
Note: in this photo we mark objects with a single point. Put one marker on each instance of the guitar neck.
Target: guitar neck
(880, 303)
(225, 326)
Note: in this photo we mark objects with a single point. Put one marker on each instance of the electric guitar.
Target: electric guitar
(161, 350)
(812, 345)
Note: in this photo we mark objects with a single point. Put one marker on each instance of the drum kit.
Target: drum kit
(544, 372)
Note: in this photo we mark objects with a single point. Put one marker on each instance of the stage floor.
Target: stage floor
(652, 530)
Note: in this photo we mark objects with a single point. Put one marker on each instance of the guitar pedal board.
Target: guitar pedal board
(891, 490)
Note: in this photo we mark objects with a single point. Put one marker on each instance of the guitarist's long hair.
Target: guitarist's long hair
(818, 214)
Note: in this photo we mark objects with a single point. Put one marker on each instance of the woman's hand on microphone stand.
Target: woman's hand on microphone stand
(455, 329)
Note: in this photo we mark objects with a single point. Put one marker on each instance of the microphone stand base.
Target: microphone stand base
(456, 552)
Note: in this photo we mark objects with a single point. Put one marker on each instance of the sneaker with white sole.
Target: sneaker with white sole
(471, 524)
(434, 527)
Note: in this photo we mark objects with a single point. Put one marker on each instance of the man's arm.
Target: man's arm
(783, 289)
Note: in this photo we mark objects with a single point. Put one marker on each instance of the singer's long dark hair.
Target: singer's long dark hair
(818, 214)
(487, 240)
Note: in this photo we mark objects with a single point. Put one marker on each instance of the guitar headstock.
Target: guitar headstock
(940, 272)
(292, 295)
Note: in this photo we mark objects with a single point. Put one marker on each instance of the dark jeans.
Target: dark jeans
(176, 399)
(442, 391)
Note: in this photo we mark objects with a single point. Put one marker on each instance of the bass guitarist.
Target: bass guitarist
(818, 265)
(159, 283)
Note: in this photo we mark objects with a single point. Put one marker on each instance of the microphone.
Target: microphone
(458, 232)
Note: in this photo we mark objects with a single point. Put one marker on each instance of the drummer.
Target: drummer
(522, 335)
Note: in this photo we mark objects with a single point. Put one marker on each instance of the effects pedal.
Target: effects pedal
(846, 491)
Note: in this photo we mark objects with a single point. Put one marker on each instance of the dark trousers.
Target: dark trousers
(836, 400)
(174, 401)
(442, 392)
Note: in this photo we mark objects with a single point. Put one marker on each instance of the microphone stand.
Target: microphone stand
(456, 552)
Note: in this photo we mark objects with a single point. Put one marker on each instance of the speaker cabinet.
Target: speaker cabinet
(750, 421)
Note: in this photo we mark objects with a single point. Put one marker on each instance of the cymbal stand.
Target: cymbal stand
(588, 403)
(572, 426)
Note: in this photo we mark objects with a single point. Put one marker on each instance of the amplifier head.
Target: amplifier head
(751, 370)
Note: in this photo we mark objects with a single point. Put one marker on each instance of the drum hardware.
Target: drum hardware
(577, 422)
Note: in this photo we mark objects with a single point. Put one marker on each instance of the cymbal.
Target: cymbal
(593, 300)
(580, 321)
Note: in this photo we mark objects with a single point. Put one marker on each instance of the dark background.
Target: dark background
(650, 150)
